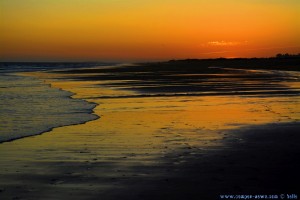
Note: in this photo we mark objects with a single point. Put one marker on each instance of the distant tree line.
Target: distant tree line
(286, 55)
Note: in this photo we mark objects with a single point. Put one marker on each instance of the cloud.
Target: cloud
(226, 43)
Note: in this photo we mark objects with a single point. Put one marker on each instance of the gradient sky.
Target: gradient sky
(132, 30)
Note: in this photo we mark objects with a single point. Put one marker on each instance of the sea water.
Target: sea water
(29, 107)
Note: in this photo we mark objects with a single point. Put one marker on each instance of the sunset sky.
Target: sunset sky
(134, 30)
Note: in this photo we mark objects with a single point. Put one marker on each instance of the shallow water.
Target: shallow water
(28, 107)
(193, 119)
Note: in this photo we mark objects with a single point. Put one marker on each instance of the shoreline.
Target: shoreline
(69, 96)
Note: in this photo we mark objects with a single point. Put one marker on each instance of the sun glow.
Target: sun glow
(146, 30)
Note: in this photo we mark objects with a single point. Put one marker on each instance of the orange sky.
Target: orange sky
(132, 30)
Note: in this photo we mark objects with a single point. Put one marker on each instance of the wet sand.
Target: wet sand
(234, 132)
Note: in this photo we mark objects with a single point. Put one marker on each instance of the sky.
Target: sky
(136, 30)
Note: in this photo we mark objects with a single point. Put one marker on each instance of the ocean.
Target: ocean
(30, 107)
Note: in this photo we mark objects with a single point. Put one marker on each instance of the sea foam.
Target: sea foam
(30, 107)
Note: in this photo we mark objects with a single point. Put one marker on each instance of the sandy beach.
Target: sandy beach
(165, 132)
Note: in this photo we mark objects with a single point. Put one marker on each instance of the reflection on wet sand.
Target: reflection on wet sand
(144, 142)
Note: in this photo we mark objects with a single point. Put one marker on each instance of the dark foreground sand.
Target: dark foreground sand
(242, 137)
(265, 160)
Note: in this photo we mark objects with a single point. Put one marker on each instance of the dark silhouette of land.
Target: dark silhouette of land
(280, 61)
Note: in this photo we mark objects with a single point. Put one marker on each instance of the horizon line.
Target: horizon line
(284, 55)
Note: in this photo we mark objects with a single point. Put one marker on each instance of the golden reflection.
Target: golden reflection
(151, 121)
(138, 131)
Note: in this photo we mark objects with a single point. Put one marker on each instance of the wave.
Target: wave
(29, 107)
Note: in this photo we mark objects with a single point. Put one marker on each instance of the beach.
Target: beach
(170, 130)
